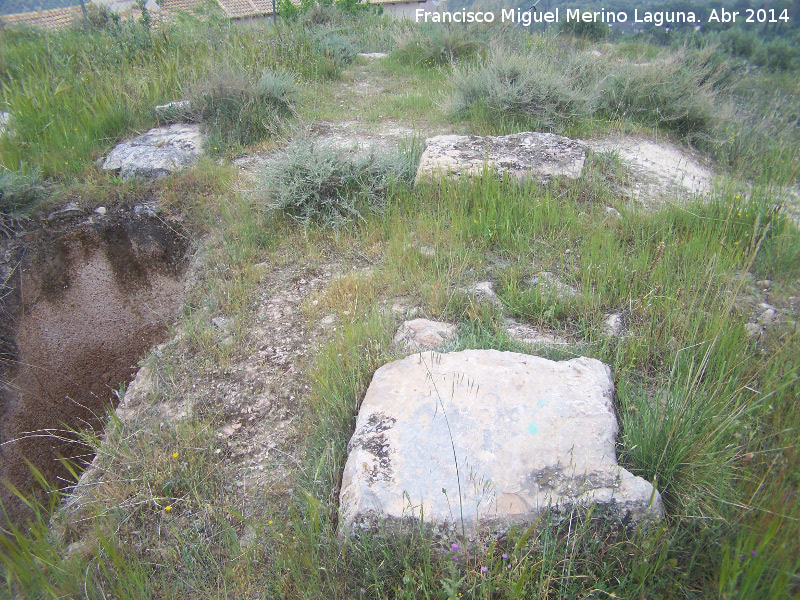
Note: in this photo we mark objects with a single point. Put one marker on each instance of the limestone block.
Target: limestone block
(490, 439)
(423, 334)
(538, 155)
(156, 153)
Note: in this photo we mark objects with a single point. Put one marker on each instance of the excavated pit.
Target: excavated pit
(81, 307)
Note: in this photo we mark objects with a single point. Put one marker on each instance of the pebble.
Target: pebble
(753, 329)
(767, 317)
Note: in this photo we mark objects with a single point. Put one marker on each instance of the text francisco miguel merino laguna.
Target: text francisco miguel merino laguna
(657, 18)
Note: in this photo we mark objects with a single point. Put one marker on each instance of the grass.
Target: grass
(707, 412)
(690, 94)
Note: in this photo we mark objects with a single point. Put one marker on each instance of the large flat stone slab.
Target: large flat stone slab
(528, 435)
(528, 154)
(156, 153)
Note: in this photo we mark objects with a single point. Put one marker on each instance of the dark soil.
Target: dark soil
(81, 306)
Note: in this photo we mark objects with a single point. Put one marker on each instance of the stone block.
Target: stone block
(156, 153)
(528, 154)
(489, 439)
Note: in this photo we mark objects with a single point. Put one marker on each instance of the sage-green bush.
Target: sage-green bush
(313, 181)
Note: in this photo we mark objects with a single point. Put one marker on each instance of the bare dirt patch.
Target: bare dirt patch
(659, 168)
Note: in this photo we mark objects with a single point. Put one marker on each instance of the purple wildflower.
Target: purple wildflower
(454, 547)
(504, 555)
(754, 553)
(455, 558)
(484, 569)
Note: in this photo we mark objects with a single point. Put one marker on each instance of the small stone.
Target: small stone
(373, 55)
(764, 283)
(100, 210)
(329, 320)
(423, 334)
(427, 251)
(610, 210)
(220, 322)
(71, 209)
(767, 317)
(753, 329)
(144, 210)
(614, 325)
(549, 284)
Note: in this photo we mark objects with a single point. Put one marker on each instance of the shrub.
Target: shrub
(315, 182)
(675, 93)
(738, 42)
(336, 47)
(241, 110)
(436, 44)
(19, 190)
(100, 17)
(778, 55)
(510, 85)
(594, 31)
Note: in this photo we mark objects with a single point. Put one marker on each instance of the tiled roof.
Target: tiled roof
(57, 18)
(246, 8)
(60, 18)
(175, 5)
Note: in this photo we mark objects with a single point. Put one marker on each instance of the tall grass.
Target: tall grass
(690, 94)
(73, 94)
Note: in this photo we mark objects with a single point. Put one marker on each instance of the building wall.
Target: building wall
(407, 10)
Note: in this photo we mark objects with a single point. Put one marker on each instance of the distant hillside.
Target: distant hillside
(9, 7)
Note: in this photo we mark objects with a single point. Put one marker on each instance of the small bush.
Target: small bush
(676, 94)
(100, 17)
(435, 44)
(738, 42)
(777, 55)
(594, 31)
(315, 182)
(19, 190)
(510, 85)
(241, 110)
(336, 47)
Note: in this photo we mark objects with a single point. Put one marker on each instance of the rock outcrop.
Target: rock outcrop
(528, 154)
(490, 439)
(156, 153)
